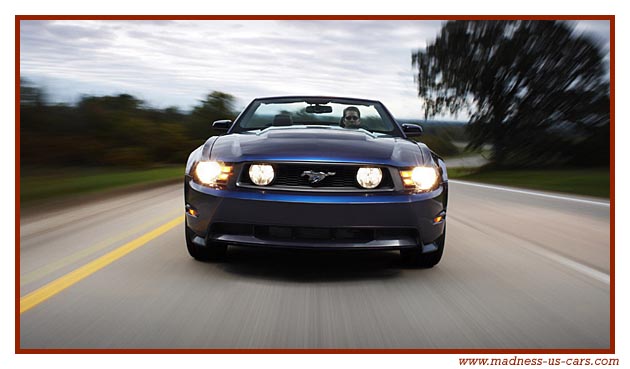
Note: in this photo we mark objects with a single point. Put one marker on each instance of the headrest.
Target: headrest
(282, 120)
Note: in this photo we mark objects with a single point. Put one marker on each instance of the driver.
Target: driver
(351, 117)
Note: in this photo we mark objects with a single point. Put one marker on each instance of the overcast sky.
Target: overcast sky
(177, 63)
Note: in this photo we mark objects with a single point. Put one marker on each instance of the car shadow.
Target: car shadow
(307, 266)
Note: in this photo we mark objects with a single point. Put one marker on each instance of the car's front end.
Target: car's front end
(315, 186)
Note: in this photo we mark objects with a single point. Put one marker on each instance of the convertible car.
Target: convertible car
(316, 173)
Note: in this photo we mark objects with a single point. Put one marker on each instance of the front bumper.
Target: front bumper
(313, 220)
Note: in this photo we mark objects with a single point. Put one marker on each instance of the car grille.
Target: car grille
(288, 176)
(284, 233)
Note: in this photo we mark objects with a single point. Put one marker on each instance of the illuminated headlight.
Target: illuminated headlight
(369, 177)
(261, 174)
(420, 178)
(211, 173)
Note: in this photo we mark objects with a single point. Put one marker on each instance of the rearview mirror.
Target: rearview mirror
(412, 130)
(222, 125)
(318, 109)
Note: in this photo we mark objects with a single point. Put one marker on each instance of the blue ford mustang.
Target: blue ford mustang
(316, 172)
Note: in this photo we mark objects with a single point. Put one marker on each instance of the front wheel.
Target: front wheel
(211, 252)
(414, 257)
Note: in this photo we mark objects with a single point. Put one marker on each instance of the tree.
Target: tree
(217, 105)
(533, 89)
(30, 94)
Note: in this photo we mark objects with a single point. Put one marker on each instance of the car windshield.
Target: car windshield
(347, 114)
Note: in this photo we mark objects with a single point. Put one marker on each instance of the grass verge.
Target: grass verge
(588, 181)
(64, 182)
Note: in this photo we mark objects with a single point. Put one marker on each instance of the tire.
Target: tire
(211, 252)
(415, 258)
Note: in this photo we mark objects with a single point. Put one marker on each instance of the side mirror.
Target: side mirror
(412, 130)
(222, 125)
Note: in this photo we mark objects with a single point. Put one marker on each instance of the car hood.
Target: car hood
(318, 144)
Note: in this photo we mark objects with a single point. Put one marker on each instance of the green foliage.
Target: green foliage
(535, 90)
(588, 181)
(130, 156)
(40, 184)
(30, 94)
(439, 144)
(216, 106)
(440, 135)
(449, 131)
(112, 130)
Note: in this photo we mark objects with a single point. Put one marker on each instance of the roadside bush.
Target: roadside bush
(440, 145)
(127, 157)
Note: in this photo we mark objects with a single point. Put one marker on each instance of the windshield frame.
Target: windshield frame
(378, 106)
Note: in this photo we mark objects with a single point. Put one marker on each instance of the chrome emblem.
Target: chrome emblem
(316, 177)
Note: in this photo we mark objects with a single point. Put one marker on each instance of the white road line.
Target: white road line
(545, 253)
(571, 264)
(532, 193)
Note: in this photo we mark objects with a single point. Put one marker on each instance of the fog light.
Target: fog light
(369, 177)
(261, 174)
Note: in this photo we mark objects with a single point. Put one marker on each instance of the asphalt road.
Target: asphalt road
(519, 271)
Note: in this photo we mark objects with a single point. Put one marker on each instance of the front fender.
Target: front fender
(200, 153)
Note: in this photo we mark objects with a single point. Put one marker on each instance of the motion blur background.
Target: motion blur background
(110, 103)
(107, 105)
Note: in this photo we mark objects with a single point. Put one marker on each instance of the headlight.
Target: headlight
(261, 174)
(420, 178)
(211, 173)
(369, 177)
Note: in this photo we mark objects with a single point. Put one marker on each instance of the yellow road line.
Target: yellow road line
(44, 293)
(47, 269)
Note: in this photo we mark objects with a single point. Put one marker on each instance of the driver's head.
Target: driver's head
(351, 117)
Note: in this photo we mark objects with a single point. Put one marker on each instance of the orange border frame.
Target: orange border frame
(19, 350)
